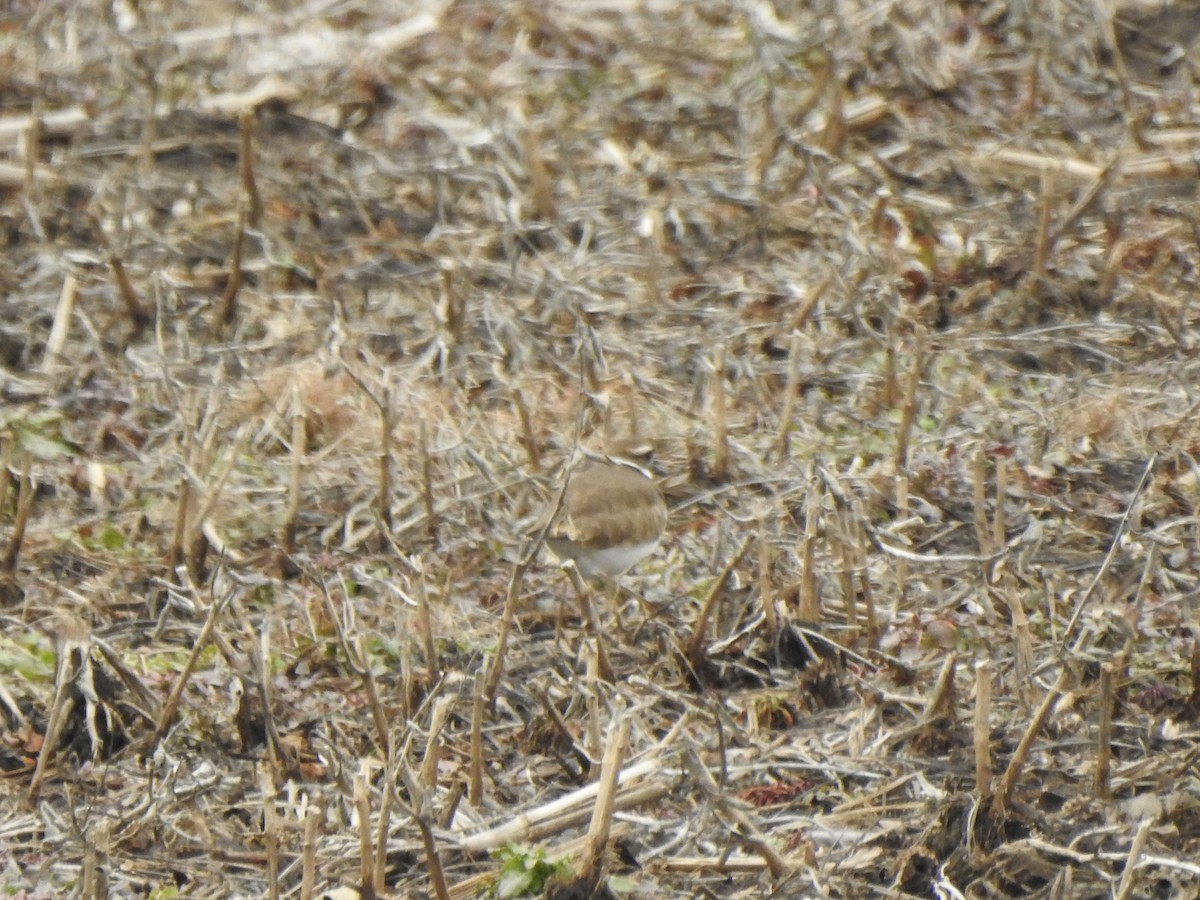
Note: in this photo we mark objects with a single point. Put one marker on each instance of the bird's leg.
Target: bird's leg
(591, 628)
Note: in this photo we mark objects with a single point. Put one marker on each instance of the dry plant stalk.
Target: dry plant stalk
(847, 555)
(282, 755)
(720, 438)
(541, 185)
(804, 312)
(1113, 547)
(1133, 170)
(1023, 651)
(1008, 781)
(366, 843)
(308, 850)
(457, 791)
(1108, 36)
(171, 706)
(694, 649)
(1042, 246)
(1104, 732)
(574, 808)
(834, 132)
(382, 403)
(431, 517)
(983, 534)
(610, 768)
(355, 655)
(408, 682)
(270, 830)
(363, 669)
(253, 198)
(507, 617)
(452, 305)
(1129, 873)
(766, 583)
(62, 323)
(25, 492)
(1085, 202)
(528, 441)
(810, 605)
(982, 731)
(437, 721)
(908, 413)
(564, 732)
(941, 698)
(133, 306)
(92, 880)
(749, 833)
(31, 147)
(1182, 342)
(6, 457)
(902, 515)
(651, 231)
(999, 524)
(59, 123)
(387, 799)
(424, 821)
(197, 530)
(592, 691)
(151, 79)
(175, 552)
(227, 306)
(425, 623)
(868, 596)
(65, 672)
(478, 710)
(291, 518)
(727, 864)
(783, 438)
(890, 388)
(1145, 583)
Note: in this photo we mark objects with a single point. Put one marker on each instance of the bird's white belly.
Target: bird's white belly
(609, 561)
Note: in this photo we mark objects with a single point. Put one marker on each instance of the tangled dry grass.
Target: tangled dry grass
(305, 306)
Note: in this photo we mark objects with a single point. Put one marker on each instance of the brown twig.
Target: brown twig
(720, 437)
(171, 707)
(1008, 780)
(528, 441)
(421, 814)
(227, 307)
(746, 830)
(1104, 732)
(8, 563)
(478, 711)
(694, 649)
(133, 306)
(246, 172)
